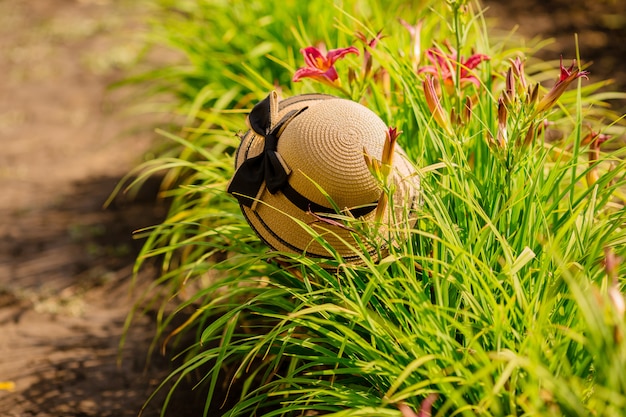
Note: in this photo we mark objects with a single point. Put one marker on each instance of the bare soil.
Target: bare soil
(66, 141)
(65, 261)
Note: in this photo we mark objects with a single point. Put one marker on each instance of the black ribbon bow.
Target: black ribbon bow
(267, 167)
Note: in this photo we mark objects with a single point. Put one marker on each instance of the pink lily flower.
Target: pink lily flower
(567, 76)
(320, 66)
(611, 266)
(367, 55)
(445, 66)
(415, 31)
(517, 65)
(594, 140)
(503, 136)
(434, 104)
(425, 408)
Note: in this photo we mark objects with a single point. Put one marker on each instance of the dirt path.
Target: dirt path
(65, 263)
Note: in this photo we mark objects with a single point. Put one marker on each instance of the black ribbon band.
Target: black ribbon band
(305, 204)
(267, 167)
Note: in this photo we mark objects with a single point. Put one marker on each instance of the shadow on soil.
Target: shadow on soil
(64, 297)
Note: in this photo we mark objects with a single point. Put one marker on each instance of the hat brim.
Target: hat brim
(285, 227)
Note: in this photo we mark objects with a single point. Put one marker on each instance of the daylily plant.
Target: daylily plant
(434, 104)
(321, 66)
(382, 169)
(567, 76)
(594, 140)
(367, 55)
(517, 67)
(503, 136)
(611, 266)
(445, 66)
(415, 31)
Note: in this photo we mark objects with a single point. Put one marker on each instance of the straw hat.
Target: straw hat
(301, 148)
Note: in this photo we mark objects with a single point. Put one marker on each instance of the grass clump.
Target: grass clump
(506, 298)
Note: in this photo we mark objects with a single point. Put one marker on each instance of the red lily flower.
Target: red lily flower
(445, 66)
(567, 76)
(388, 148)
(322, 67)
(367, 55)
(371, 43)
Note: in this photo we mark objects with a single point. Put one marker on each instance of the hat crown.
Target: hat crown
(304, 148)
(324, 146)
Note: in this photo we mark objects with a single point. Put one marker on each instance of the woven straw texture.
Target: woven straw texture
(323, 147)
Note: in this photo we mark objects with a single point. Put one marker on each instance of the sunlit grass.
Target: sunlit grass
(504, 297)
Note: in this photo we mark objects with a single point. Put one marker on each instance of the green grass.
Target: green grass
(498, 302)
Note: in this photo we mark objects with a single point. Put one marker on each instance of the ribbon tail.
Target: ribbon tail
(276, 172)
(247, 182)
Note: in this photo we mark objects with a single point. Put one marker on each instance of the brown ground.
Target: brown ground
(65, 263)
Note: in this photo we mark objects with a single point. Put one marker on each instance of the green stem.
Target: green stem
(457, 46)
